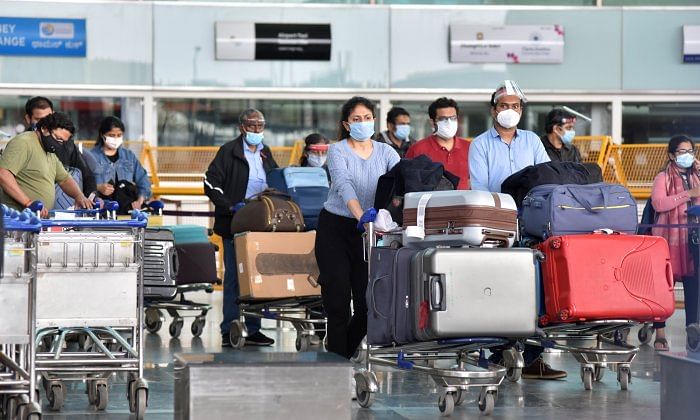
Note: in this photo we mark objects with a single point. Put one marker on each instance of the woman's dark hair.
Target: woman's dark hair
(313, 138)
(56, 120)
(347, 109)
(677, 140)
(106, 126)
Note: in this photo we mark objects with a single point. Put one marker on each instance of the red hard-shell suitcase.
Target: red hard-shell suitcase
(606, 277)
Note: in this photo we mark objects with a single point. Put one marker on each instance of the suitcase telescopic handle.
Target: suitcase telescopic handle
(437, 292)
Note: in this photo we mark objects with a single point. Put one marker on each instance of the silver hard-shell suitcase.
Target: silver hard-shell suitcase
(459, 218)
(160, 264)
(467, 292)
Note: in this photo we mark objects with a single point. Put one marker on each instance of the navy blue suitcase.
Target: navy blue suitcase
(308, 187)
(390, 314)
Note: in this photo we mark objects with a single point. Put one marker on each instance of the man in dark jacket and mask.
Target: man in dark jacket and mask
(238, 171)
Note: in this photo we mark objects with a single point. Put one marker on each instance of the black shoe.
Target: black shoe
(225, 340)
(258, 339)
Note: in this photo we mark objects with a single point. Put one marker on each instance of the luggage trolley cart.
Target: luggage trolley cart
(470, 371)
(17, 317)
(610, 349)
(90, 284)
(304, 313)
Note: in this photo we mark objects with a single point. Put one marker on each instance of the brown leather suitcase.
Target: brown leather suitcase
(269, 211)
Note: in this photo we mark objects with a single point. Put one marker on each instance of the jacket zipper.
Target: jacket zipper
(594, 208)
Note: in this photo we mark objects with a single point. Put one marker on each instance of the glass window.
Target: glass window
(657, 122)
(86, 114)
(476, 118)
(208, 122)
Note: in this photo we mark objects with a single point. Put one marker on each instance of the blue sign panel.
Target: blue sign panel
(43, 37)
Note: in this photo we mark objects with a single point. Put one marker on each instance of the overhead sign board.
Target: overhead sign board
(691, 44)
(507, 44)
(42, 37)
(273, 41)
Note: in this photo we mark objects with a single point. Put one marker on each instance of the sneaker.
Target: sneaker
(541, 370)
(258, 339)
(225, 340)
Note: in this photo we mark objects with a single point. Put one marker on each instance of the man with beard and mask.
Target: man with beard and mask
(504, 149)
(443, 145)
(397, 135)
(73, 160)
(238, 171)
(29, 166)
(495, 155)
(558, 140)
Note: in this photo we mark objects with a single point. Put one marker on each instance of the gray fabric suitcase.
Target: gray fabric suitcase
(390, 314)
(460, 218)
(467, 292)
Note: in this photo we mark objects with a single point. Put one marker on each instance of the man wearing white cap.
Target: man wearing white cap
(493, 157)
(504, 149)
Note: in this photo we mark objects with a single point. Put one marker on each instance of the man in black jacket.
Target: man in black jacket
(238, 171)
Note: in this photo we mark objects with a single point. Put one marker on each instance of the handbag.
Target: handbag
(269, 211)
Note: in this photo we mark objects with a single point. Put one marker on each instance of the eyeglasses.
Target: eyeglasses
(254, 124)
(684, 151)
(504, 106)
(447, 118)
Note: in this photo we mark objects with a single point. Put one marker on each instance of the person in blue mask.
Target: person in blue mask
(558, 140)
(239, 171)
(355, 163)
(398, 122)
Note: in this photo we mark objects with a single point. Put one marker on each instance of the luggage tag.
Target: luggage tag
(419, 230)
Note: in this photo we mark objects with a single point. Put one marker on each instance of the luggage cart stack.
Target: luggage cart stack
(90, 286)
(471, 369)
(17, 316)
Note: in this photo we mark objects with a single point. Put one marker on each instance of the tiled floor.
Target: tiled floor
(404, 395)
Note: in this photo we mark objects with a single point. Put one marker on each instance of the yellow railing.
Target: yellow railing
(635, 166)
(593, 148)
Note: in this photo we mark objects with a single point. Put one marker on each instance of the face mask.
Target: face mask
(446, 129)
(113, 142)
(568, 136)
(362, 131)
(508, 118)
(685, 160)
(402, 131)
(50, 144)
(316, 160)
(253, 139)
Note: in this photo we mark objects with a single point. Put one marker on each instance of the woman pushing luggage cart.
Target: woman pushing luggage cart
(90, 284)
(17, 312)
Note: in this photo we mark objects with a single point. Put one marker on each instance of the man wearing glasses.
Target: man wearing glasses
(238, 171)
(504, 149)
(443, 145)
(29, 166)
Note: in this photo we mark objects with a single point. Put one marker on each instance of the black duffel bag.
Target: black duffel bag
(521, 182)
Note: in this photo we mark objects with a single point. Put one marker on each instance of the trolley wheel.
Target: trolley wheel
(140, 402)
(487, 402)
(599, 373)
(153, 320)
(55, 396)
(460, 397)
(513, 374)
(197, 326)
(587, 377)
(446, 404)
(90, 391)
(175, 327)
(303, 343)
(624, 375)
(101, 396)
(236, 335)
(325, 343)
(364, 396)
